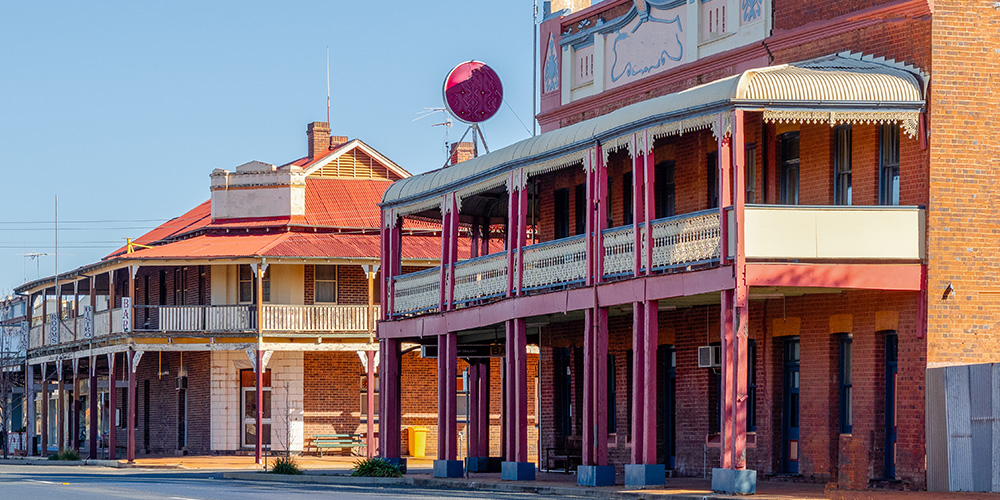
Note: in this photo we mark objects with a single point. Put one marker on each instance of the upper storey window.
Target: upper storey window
(326, 284)
(888, 165)
(842, 191)
(789, 168)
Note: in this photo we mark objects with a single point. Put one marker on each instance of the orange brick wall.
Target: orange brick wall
(964, 205)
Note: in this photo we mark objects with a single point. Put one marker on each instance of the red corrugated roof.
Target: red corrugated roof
(196, 218)
(289, 244)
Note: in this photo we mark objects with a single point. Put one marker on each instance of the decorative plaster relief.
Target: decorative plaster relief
(645, 47)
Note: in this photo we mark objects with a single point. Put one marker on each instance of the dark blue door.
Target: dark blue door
(891, 361)
(666, 407)
(790, 413)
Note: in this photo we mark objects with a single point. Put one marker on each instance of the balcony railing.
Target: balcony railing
(684, 240)
(417, 292)
(619, 251)
(481, 278)
(35, 336)
(554, 263)
(198, 318)
(318, 318)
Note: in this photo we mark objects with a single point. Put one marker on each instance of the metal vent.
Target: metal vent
(709, 356)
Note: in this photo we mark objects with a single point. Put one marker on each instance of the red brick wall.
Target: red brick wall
(825, 455)
(164, 401)
(964, 205)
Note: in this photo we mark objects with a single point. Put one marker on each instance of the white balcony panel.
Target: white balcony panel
(554, 263)
(102, 323)
(686, 239)
(229, 318)
(818, 233)
(619, 251)
(317, 318)
(35, 336)
(116, 320)
(481, 278)
(417, 292)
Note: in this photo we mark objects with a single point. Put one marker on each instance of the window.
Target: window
(326, 284)
(627, 209)
(713, 179)
(612, 396)
(888, 165)
(750, 173)
(246, 284)
(789, 168)
(561, 213)
(751, 385)
(842, 165)
(663, 186)
(581, 208)
(846, 384)
(180, 285)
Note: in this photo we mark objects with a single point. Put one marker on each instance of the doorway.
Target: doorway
(790, 413)
(891, 365)
(666, 357)
(248, 404)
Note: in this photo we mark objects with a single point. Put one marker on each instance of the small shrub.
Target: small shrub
(375, 467)
(68, 455)
(285, 465)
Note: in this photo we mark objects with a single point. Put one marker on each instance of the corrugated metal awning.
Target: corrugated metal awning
(842, 88)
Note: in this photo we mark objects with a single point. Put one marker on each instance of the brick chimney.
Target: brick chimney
(318, 134)
(337, 140)
(461, 151)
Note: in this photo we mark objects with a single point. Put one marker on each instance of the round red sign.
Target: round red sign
(473, 92)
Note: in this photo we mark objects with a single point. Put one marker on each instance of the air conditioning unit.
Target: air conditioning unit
(709, 356)
(182, 383)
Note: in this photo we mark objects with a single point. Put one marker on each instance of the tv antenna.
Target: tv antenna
(447, 123)
(35, 256)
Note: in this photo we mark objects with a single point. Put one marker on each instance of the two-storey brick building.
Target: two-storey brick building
(746, 231)
(244, 324)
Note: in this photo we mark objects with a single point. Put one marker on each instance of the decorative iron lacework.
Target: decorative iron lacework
(554, 164)
(420, 206)
(554, 263)
(685, 239)
(908, 120)
(481, 278)
(619, 251)
(481, 187)
(680, 127)
(416, 292)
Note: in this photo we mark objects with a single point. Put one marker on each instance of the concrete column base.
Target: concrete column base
(478, 464)
(595, 475)
(517, 471)
(645, 475)
(398, 462)
(449, 468)
(740, 482)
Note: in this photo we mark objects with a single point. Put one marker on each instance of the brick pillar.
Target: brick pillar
(447, 463)
(92, 399)
(29, 392)
(390, 439)
(112, 407)
(595, 470)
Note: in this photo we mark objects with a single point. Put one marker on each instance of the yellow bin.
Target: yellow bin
(418, 441)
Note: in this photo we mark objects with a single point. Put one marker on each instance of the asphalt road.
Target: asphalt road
(23, 482)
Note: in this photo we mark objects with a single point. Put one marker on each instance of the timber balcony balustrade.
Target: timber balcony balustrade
(786, 233)
(209, 319)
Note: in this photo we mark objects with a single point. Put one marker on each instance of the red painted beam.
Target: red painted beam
(899, 277)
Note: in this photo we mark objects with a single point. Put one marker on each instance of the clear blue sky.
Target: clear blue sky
(124, 108)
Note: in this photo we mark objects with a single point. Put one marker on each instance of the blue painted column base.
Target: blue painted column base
(595, 475)
(478, 464)
(449, 468)
(398, 462)
(645, 475)
(517, 471)
(740, 482)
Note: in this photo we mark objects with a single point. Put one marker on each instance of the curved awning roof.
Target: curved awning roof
(841, 88)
